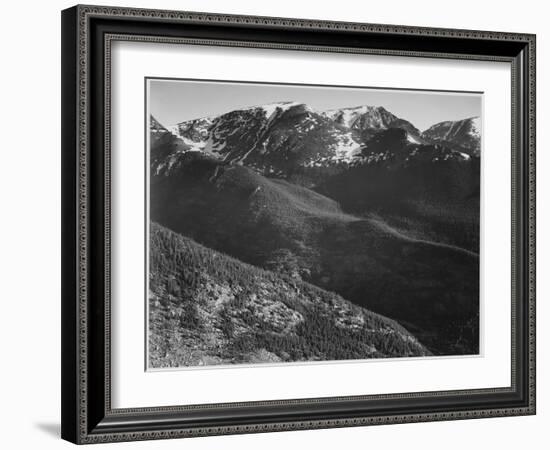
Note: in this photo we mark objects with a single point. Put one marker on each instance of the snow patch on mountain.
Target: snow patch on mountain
(193, 145)
(412, 139)
(465, 133)
(346, 148)
(278, 137)
(271, 108)
(348, 116)
(475, 128)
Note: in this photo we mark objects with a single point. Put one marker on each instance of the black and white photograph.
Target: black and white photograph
(281, 220)
(304, 223)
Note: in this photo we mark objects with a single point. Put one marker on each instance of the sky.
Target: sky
(174, 101)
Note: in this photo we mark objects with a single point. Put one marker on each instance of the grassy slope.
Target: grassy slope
(208, 308)
(274, 224)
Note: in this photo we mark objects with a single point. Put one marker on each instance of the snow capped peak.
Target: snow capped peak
(270, 108)
(475, 126)
(369, 119)
(200, 123)
(276, 137)
(155, 125)
(465, 133)
(347, 116)
(474, 123)
(360, 109)
(204, 122)
(174, 129)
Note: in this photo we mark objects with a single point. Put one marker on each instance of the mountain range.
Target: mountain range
(288, 138)
(354, 203)
(465, 133)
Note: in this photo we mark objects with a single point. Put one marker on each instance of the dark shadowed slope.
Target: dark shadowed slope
(293, 230)
(207, 308)
(429, 191)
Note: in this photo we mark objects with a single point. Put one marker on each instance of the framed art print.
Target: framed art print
(279, 224)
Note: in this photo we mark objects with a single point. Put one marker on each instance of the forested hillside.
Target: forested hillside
(208, 308)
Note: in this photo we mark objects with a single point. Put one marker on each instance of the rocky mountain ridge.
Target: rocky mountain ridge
(287, 138)
(465, 133)
(356, 203)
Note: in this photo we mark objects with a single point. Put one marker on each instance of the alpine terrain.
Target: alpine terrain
(280, 233)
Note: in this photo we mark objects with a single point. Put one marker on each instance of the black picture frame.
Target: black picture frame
(87, 416)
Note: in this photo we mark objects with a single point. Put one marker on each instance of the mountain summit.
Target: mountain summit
(366, 121)
(270, 138)
(290, 139)
(465, 133)
(333, 217)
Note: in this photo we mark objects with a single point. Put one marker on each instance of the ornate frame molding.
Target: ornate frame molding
(76, 416)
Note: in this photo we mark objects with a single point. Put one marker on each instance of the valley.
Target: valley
(353, 204)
